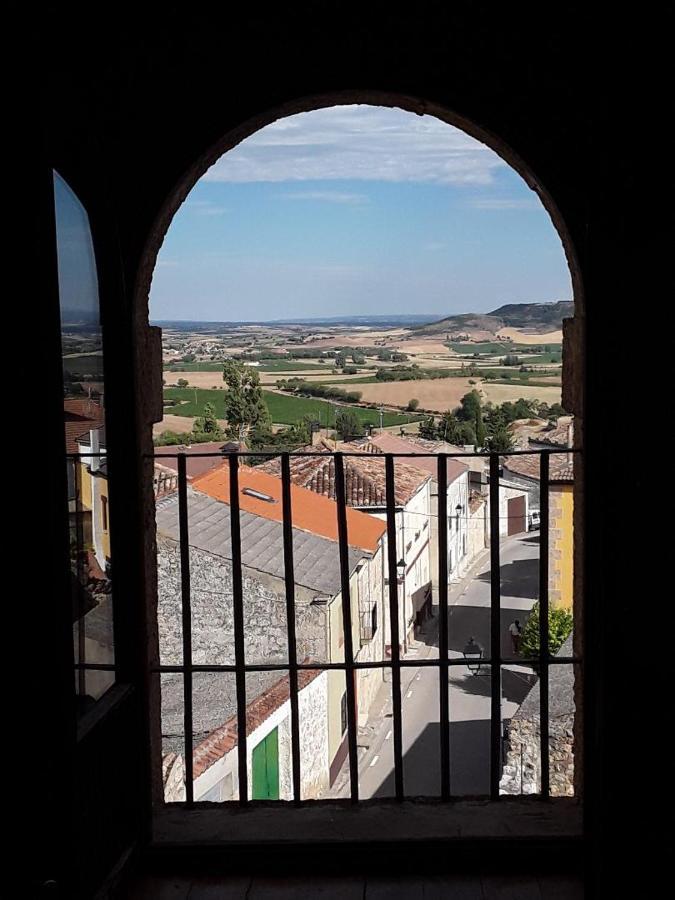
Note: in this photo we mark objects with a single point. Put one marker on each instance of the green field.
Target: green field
(487, 347)
(492, 348)
(285, 409)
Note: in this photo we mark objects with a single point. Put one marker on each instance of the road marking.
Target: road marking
(387, 735)
(373, 761)
(408, 695)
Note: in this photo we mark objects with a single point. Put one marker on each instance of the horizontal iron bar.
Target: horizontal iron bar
(374, 664)
(411, 455)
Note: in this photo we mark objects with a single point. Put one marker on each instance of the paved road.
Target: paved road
(469, 695)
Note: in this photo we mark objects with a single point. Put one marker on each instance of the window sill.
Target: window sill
(370, 823)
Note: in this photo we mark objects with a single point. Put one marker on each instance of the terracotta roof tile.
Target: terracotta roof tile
(390, 443)
(560, 468)
(224, 739)
(312, 513)
(364, 476)
(80, 416)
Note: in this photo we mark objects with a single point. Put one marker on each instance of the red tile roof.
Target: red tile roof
(364, 476)
(389, 443)
(194, 465)
(311, 513)
(80, 416)
(224, 739)
(560, 467)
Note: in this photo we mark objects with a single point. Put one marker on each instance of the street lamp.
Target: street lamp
(473, 653)
(400, 568)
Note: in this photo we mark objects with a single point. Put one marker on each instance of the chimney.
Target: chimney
(94, 446)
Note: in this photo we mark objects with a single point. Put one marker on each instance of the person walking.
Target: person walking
(516, 632)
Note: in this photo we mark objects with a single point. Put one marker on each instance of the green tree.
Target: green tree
(182, 382)
(499, 441)
(348, 425)
(245, 407)
(208, 424)
(427, 428)
(480, 428)
(470, 404)
(559, 627)
(413, 404)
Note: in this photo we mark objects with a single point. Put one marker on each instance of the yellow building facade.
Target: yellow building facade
(561, 544)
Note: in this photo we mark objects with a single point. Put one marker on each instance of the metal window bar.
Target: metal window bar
(543, 622)
(238, 621)
(347, 625)
(495, 634)
(495, 661)
(289, 577)
(183, 530)
(443, 667)
(393, 616)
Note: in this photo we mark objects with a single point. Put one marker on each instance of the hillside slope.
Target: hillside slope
(533, 317)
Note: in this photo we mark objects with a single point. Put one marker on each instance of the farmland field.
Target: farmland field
(520, 337)
(285, 409)
(438, 394)
(500, 393)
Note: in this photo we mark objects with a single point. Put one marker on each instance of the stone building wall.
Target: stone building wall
(212, 614)
(521, 773)
(476, 533)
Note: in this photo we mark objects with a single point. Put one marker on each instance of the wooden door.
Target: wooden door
(265, 766)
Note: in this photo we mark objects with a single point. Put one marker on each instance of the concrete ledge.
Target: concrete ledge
(376, 821)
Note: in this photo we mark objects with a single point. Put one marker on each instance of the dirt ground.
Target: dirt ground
(519, 337)
(177, 423)
(438, 395)
(500, 393)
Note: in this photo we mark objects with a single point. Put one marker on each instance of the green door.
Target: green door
(266, 768)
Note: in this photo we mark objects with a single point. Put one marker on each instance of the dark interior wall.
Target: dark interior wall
(134, 105)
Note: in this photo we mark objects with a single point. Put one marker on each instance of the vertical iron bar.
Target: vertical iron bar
(289, 575)
(495, 632)
(347, 625)
(393, 617)
(76, 462)
(184, 541)
(543, 620)
(444, 669)
(238, 621)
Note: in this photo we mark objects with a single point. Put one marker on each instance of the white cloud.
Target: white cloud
(205, 207)
(361, 143)
(494, 203)
(351, 199)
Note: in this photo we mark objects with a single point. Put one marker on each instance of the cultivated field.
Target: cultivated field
(500, 393)
(439, 394)
(519, 337)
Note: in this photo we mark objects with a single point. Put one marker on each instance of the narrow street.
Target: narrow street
(469, 695)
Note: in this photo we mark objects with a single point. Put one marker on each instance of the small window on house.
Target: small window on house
(104, 513)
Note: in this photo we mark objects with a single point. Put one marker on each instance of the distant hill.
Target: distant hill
(534, 317)
(539, 316)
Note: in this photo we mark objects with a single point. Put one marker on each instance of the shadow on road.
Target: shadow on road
(518, 578)
(469, 762)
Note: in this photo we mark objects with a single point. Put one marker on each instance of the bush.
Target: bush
(559, 628)
(413, 404)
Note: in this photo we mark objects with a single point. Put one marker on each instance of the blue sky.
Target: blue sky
(357, 210)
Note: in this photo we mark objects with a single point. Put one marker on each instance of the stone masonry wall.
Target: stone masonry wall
(212, 620)
(522, 764)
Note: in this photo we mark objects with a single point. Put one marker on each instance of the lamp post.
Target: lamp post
(473, 653)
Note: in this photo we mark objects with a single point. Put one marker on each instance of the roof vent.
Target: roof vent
(258, 495)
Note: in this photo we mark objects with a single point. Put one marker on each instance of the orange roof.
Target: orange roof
(311, 512)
